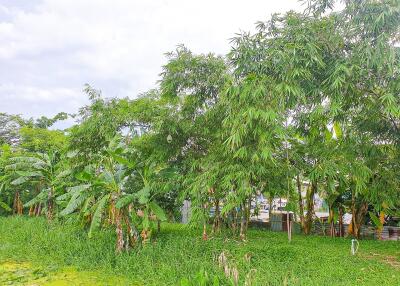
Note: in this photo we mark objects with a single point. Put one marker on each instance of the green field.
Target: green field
(180, 254)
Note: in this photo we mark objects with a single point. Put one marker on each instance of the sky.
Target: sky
(50, 48)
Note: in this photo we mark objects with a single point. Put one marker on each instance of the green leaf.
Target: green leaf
(72, 154)
(375, 220)
(158, 211)
(122, 160)
(19, 181)
(83, 176)
(125, 200)
(85, 207)
(64, 196)
(79, 188)
(328, 135)
(5, 207)
(338, 130)
(64, 174)
(96, 219)
(146, 220)
(76, 200)
(144, 195)
(41, 197)
(29, 173)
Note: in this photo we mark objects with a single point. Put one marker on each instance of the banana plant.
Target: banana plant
(10, 201)
(43, 171)
(107, 187)
(151, 181)
(100, 188)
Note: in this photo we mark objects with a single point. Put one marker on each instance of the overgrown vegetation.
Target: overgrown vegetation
(310, 97)
(179, 254)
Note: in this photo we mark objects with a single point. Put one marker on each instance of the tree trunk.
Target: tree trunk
(132, 232)
(242, 234)
(31, 209)
(301, 205)
(362, 211)
(382, 221)
(350, 230)
(270, 199)
(112, 211)
(35, 210)
(310, 208)
(288, 222)
(234, 221)
(205, 237)
(332, 221)
(248, 210)
(358, 213)
(50, 204)
(39, 209)
(119, 231)
(158, 225)
(341, 222)
(17, 206)
(217, 219)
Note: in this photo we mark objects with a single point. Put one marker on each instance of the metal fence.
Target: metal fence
(366, 232)
(320, 228)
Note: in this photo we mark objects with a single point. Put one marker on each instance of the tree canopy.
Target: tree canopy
(309, 98)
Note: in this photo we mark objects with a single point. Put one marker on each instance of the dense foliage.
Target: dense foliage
(310, 97)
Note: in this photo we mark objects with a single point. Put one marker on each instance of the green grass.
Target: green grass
(180, 253)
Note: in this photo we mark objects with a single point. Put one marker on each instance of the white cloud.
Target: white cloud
(38, 101)
(51, 48)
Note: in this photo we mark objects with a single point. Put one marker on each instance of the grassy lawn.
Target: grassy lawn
(178, 253)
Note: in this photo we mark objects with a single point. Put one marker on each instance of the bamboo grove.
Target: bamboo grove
(309, 97)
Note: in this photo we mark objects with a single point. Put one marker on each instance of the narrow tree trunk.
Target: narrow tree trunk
(112, 211)
(50, 204)
(357, 216)
(340, 222)
(301, 204)
(310, 208)
(205, 237)
(217, 220)
(350, 230)
(234, 221)
(332, 221)
(34, 207)
(31, 210)
(35, 210)
(242, 234)
(382, 221)
(289, 226)
(145, 235)
(119, 231)
(132, 232)
(270, 199)
(248, 214)
(362, 211)
(39, 209)
(17, 205)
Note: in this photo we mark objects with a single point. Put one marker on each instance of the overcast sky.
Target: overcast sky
(49, 49)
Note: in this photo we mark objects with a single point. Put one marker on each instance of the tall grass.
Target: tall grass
(177, 253)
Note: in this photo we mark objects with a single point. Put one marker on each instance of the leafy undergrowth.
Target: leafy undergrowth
(179, 254)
